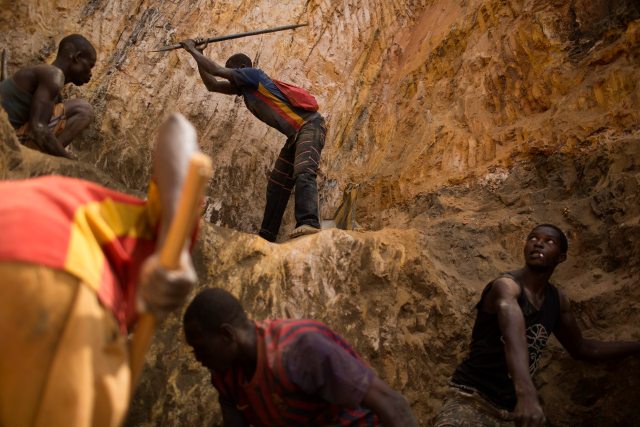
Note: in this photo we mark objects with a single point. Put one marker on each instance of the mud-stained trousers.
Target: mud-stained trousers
(297, 165)
(466, 408)
(56, 125)
(63, 360)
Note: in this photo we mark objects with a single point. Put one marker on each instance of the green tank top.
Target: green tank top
(16, 102)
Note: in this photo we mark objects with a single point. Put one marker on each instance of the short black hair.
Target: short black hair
(210, 309)
(564, 242)
(75, 42)
(239, 60)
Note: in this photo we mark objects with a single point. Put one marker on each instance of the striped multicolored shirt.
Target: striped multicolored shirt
(306, 375)
(267, 103)
(99, 235)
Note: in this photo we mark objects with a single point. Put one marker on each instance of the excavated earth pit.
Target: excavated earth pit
(457, 124)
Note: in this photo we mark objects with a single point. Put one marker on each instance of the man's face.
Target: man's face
(215, 352)
(81, 68)
(542, 249)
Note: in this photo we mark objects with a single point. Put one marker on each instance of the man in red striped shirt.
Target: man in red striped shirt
(297, 163)
(286, 372)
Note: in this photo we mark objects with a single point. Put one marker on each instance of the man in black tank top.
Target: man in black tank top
(517, 312)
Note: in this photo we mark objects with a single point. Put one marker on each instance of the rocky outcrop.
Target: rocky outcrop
(459, 123)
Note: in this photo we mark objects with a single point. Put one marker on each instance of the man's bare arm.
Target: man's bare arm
(570, 336)
(162, 290)
(389, 405)
(50, 83)
(208, 69)
(503, 300)
(175, 145)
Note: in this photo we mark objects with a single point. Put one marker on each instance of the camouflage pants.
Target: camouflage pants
(468, 409)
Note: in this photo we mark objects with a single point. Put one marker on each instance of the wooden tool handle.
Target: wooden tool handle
(180, 230)
(187, 211)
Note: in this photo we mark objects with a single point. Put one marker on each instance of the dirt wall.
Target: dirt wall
(460, 123)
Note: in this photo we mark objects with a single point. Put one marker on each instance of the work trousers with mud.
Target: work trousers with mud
(63, 360)
(467, 408)
(296, 166)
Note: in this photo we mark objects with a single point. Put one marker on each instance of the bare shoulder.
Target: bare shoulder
(502, 289)
(29, 79)
(49, 75)
(505, 286)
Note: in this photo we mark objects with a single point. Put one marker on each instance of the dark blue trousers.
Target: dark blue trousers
(297, 165)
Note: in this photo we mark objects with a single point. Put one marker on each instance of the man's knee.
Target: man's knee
(80, 110)
(280, 181)
(85, 111)
(306, 175)
(448, 417)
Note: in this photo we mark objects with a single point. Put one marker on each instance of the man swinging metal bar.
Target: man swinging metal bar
(231, 36)
(290, 110)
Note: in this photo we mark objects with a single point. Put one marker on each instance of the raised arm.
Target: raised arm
(570, 336)
(162, 290)
(175, 144)
(208, 70)
(502, 299)
(389, 405)
(50, 82)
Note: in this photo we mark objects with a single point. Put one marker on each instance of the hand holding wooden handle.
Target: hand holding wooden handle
(179, 233)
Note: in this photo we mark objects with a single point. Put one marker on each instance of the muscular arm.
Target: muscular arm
(50, 82)
(389, 405)
(570, 336)
(163, 290)
(208, 70)
(175, 144)
(502, 299)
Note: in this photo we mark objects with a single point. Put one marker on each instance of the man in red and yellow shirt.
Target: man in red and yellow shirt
(71, 255)
(298, 161)
(286, 372)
